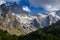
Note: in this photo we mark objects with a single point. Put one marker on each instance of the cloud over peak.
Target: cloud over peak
(49, 5)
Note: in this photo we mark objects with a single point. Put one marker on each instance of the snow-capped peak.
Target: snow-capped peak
(29, 22)
(53, 14)
(57, 16)
(42, 15)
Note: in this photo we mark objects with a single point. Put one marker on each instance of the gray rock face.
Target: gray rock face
(48, 19)
(13, 17)
(15, 20)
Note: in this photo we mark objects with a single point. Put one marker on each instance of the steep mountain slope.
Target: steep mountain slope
(8, 21)
(47, 19)
(13, 21)
(54, 28)
(13, 17)
(48, 33)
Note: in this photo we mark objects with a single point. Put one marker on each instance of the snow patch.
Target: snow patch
(53, 14)
(42, 15)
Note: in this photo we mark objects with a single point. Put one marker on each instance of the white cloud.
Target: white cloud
(2, 1)
(51, 8)
(25, 8)
(50, 5)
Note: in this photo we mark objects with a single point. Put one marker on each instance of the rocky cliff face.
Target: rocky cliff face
(17, 21)
(10, 17)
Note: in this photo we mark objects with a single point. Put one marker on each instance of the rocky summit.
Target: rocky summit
(17, 21)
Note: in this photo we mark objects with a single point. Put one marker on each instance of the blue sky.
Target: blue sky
(37, 6)
(33, 9)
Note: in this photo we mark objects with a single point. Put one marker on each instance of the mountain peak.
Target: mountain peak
(53, 14)
(19, 19)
